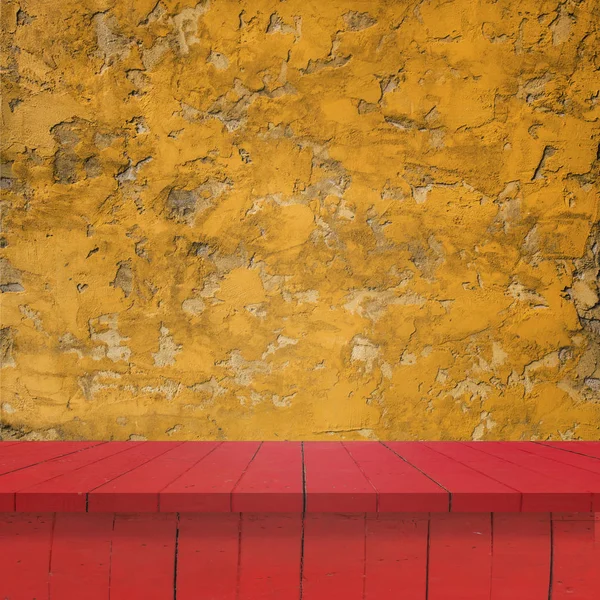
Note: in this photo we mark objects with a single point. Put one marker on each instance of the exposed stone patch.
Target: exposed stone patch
(112, 45)
(183, 206)
(167, 349)
(243, 370)
(277, 25)
(6, 347)
(104, 329)
(124, 278)
(32, 315)
(167, 388)
(356, 21)
(218, 60)
(10, 278)
(186, 26)
(364, 351)
(282, 342)
(374, 304)
(193, 306)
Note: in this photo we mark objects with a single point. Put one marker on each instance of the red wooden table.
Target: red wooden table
(304, 521)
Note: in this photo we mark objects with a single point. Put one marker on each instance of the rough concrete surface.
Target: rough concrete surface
(300, 220)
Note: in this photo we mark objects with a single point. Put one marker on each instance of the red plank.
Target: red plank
(68, 492)
(80, 565)
(273, 480)
(460, 556)
(334, 556)
(207, 486)
(207, 557)
(581, 461)
(575, 572)
(396, 556)
(25, 541)
(12, 482)
(25, 454)
(586, 448)
(143, 557)
(470, 490)
(521, 556)
(400, 486)
(4, 445)
(540, 493)
(560, 475)
(270, 556)
(334, 483)
(138, 489)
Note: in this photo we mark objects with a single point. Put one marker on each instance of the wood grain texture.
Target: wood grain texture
(334, 482)
(273, 481)
(582, 485)
(270, 556)
(13, 482)
(334, 556)
(138, 490)
(207, 486)
(396, 556)
(576, 559)
(400, 486)
(25, 546)
(460, 556)
(539, 492)
(143, 557)
(24, 454)
(521, 556)
(208, 554)
(81, 554)
(287, 477)
(232, 556)
(470, 490)
(68, 492)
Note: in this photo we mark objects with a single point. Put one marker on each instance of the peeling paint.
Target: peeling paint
(372, 220)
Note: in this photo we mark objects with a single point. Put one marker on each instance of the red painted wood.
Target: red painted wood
(25, 542)
(539, 492)
(207, 558)
(400, 486)
(12, 482)
(25, 454)
(339, 477)
(143, 557)
(272, 481)
(586, 448)
(578, 482)
(460, 556)
(270, 556)
(81, 549)
(396, 556)
(68, 492)
(576, 560)
(580, 461)
(138, 490)
(470, 490)
(4, 445)
(521, 556)
(334, 556)
(207, 486)
(334, 483)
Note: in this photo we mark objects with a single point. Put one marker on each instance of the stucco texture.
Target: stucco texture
(300, 220)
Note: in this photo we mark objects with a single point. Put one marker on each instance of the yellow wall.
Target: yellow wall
(302, 219)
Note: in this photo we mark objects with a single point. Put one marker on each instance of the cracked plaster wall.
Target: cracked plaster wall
(301, 220)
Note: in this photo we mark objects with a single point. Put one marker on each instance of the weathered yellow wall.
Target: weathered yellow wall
(300, 219)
